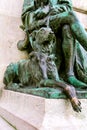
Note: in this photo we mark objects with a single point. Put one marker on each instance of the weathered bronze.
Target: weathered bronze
(53, 38)
(59, 16)
(40, 69)
(36, 72)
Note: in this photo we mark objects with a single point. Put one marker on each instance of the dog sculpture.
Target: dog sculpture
(40, 69)
(35, 72)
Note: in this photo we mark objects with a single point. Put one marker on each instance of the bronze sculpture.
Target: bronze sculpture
(51, 28)
(39, 70)
(62, 20)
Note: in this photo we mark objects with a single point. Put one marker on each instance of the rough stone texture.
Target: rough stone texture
(82, 4)
(37, 113)
(59, 116)
(10, 33)
(25, 112)
(5, 126)
(11, 7)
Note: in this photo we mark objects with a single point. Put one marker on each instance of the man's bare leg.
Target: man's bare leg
(69, 50)
(70, 18)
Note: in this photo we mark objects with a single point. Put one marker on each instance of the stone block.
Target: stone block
(81, 4)
(4, 125)
(10, 33)
(27, 112)
(11, 7)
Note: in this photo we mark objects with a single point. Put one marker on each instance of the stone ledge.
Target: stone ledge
(80, 10)
(21, 110)
(16, 121)
(4, 125)
(50, 93)
(81, 4)
(35, 113)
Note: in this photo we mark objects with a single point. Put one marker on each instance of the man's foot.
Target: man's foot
(77, 83)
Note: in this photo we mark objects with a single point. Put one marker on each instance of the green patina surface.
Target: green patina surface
(47, 92)
(71, 57)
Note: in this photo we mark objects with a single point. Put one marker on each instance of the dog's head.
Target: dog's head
(43, 40)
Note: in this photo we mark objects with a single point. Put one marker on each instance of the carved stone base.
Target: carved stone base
(29, 112)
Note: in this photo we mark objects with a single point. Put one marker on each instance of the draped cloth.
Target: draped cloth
(81, 63)
(28, 8)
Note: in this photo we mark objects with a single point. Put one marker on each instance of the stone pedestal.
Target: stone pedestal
(27, 112)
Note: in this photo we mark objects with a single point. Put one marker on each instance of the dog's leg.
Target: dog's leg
(68, 90)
